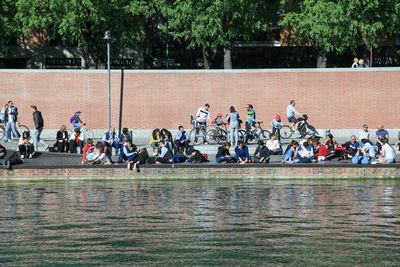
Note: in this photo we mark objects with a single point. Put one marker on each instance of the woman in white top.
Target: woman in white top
(388, 154)
(273, 145)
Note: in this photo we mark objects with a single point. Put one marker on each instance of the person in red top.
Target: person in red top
(88, 151)
(76, 139)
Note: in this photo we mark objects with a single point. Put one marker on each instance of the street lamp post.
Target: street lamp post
(107, 37)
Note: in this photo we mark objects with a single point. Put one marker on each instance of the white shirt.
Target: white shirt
(370, 149)
(389, 152)
(290, 111)
(364, 135)
(304, 152)
(203, 114)
(273, 145)
(10, 117)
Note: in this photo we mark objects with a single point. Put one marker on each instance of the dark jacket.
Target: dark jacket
(264, 152)
(222, 152)
(14, 112)
(38, 119)
(62, 136)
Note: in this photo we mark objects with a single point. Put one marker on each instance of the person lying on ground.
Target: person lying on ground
(103, 155)
(77, 139)
(88, 151)
(13, 160)
(261, 155)
(166, 154)
(129, 151)
(182, 139)
(3, 152)
(290, 152)
(273, 145)
(25, 145)
(305, 154)
(179, 157)
(388, 155)
(197, 157)
(61, 144)
(242, 153)
(141, 159)
(155, 141)
(223, 154)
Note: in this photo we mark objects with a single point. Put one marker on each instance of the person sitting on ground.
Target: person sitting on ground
(364, 134)
(223, 154)
(261, 155)
(330, 143)
(103, 155)
(88, 151)
(320, 150)
(276, 126)
(123, 137)
(290, 152)
(76, 139)
(155, 141)
(305, 154)
(179, 157)
(273, 145)
(352, 146)
(26, 145)
(369, 153)
(388, 155)
(166, 154)
(141, 159)
(197, 157)
(166, 137)
(13, 160)
(76, 120)
(182, 139)
(380, 135)
(129, 151)
(242, 153)
(61, 144)
(110, 139)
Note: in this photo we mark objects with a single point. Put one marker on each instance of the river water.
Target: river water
(200, 222)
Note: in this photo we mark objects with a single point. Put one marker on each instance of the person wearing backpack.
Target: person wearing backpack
(76, 120)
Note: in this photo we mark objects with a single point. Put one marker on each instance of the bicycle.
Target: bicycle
(303, 129)
(87, 133)
(198, 134)
(19, 127)
(257, 134)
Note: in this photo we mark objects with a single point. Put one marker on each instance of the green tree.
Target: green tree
(8, 25)
(336, 26)
(211, 24)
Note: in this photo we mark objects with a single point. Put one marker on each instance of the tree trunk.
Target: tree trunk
(227, 58)
(321, 60)
(207, 58)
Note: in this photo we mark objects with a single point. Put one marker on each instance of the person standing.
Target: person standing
(11, 118)
(203, 114)
(233, 119)
(39, 123)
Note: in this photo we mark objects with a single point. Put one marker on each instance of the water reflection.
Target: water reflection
(201, 222)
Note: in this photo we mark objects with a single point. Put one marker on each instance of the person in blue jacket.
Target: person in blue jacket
(242, 153)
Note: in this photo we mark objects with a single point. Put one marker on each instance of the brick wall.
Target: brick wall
(334, 99)
(193, 173)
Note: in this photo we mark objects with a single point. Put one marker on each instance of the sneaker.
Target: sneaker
(120, 161)
(7, 165)
(46, 147)
(22, 156)
(7, 141)
(30, 156)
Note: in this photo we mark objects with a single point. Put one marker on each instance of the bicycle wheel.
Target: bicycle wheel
(22, 128)
(2, 130)
(89, 134)
(285, 132)
(264, 136)
(211, 136)
(70, 132)
(197, 136)
(242, 135)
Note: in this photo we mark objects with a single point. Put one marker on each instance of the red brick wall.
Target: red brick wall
(343, 99)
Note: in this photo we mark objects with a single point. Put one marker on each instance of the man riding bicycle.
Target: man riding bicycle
(251, 121)
(290, 111)
(76, 121)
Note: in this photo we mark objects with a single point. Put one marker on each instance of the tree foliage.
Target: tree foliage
(339, 25)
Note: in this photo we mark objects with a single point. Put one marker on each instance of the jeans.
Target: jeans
(221, 159)
(76, 125)
(124, 157)
(233, 134)
(90, 155)
(288, 156)
(36, 138)
(276, 152)
(357, 159)
(13, 129)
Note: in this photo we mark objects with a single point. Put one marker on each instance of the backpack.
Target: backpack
(205, 155)
(72, 120)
